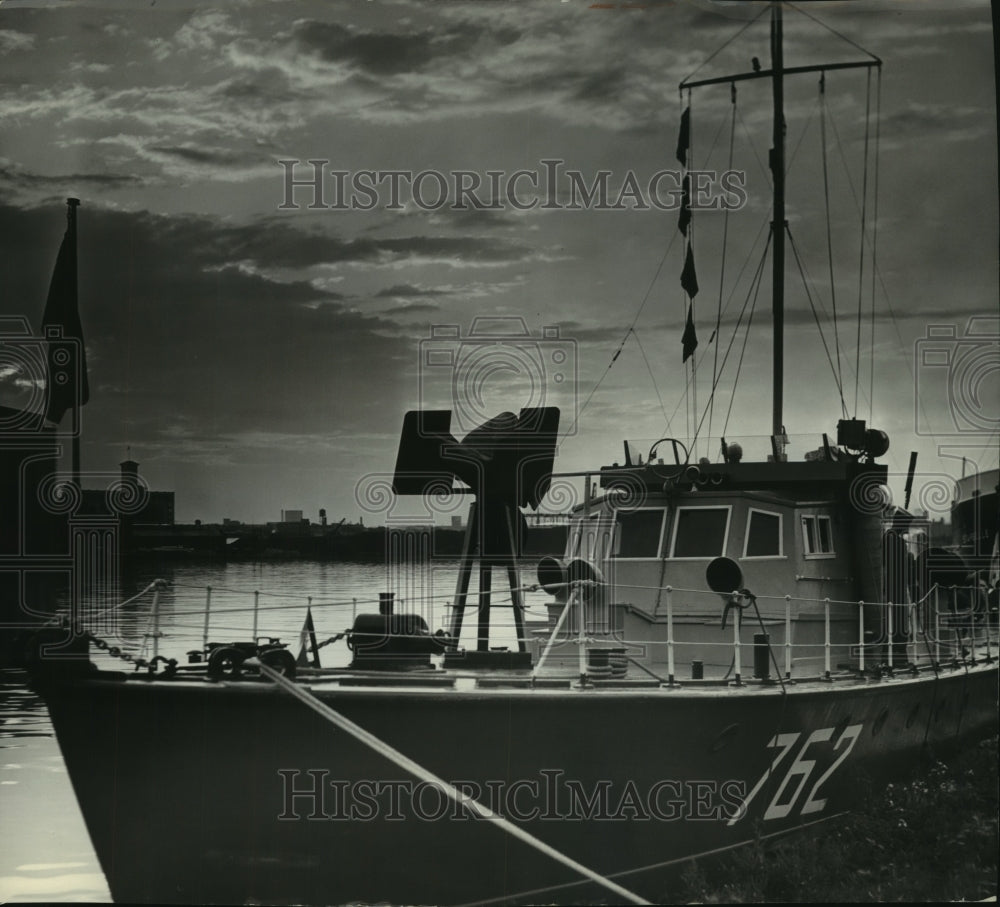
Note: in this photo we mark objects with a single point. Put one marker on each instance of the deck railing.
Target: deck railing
(948, 624)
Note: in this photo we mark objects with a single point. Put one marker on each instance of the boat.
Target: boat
(734, 650)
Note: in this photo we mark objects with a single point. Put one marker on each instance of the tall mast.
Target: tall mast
(777, 74)
(778, 224)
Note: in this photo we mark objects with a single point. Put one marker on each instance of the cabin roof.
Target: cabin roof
(795, 481)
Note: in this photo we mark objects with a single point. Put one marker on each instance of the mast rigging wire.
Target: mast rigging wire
(629, 331)
(754, 289)
(829, 238)
(691, 385)
(722, 267)
(864, 221)
(652, 377)
(722, 47)
(746, 337)
(833, 31)
(819, 324)
(878, 122)
(764, 223)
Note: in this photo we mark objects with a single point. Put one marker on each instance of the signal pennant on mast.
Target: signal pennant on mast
(684, 219)
(689, 340)
(689, 279)
(684, 137)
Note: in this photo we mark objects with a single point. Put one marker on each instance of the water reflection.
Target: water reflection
(247, 599)
(45, 853)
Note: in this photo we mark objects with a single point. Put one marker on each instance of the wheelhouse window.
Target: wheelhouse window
(589, 537)
(817, 535)
(763, 538)
(574, 539)
(639, 533)
(700, 532)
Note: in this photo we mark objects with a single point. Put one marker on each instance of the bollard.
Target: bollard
(761, 653)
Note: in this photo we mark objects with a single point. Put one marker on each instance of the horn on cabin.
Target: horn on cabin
(552, 575)
(580, 570)
(724, 577)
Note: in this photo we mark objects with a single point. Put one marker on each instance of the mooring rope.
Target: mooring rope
(453, 793)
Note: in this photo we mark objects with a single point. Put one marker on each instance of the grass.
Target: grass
(932, 838)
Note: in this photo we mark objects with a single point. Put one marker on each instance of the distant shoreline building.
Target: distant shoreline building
(158, 508)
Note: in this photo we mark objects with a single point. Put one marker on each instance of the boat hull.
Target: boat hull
(233, 792)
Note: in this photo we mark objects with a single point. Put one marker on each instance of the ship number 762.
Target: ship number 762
(799, 772)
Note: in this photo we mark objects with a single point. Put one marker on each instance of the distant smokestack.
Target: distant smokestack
(130, 472)
(322, 516)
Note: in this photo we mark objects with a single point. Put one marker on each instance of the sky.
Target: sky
(255, 347)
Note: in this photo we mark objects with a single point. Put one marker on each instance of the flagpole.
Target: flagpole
(778, 227)
(71, 205)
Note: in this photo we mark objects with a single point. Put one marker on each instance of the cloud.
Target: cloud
(279, 244)
(202, 155)
(175, 332)
(412, 308)
(13, 175)
(188, 315)
(215, 320)
(919, 119)
(409, 291)
(11, 41)
(386, 53)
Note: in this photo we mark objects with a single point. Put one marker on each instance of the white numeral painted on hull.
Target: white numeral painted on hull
(850, 737)
(801, 769)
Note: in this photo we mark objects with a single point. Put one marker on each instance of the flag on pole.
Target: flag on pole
(690, 338)
(689, 279)
(684, 137)
(67, 359)
(307, 640)
(685, 216)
